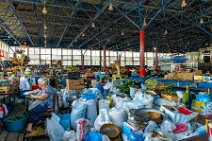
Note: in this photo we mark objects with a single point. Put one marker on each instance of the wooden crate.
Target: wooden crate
(75, 84)
(4, 89)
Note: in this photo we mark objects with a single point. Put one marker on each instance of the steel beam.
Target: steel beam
(124, 15)
(67, 27)
(83, 30)
(20, 21)
(5, 27)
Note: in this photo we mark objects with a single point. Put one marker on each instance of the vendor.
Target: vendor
(43, 101)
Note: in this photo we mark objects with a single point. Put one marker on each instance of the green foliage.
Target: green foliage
(151, 83)
(125, 88)
(169, 92)
(72, 69)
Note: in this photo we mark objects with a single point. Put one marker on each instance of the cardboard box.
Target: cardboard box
(198, 78)
(75, 84)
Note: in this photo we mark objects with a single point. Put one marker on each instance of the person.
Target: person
(43, 101)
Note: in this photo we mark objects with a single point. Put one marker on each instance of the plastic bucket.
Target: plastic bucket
(15, 123)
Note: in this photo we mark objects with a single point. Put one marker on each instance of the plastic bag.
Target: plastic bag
(132, 92)
(151, 126)
(69, 136)
(91, 93)
(83, 127)
(131, 133)
(78, 112)
(118, 101)
(166, 128)
(93, 136)
(54, 129)
(65, 95)
(104, 104)
(161, 101)
(91, 113)
(103, 118)
(107, 86)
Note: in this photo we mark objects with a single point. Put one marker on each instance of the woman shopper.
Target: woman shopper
(42, 102)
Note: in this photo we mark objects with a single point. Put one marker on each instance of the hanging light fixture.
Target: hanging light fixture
(183, 4)
(201, 21)
(93, 25)
(110, 8)
(44, 11)
(45, 35)
(83, 34)
(44, 26)
(122, 33)
(144, 22)
(166, 32)
(9, 36)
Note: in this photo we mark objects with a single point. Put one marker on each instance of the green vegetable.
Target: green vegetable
(125, 88)
(169, 92)
(151, 83)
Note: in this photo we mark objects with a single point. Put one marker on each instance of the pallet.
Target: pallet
(10, 136)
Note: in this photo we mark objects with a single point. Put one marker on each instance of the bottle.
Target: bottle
(186, 96)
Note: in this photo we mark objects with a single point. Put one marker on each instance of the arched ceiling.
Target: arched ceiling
(169, 27)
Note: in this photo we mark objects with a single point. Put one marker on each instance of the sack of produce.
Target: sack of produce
(78, 112)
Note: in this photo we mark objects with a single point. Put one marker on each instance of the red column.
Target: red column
(104, 55)
(142, 55)
(82, 56)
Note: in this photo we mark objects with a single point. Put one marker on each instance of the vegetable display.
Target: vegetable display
(169, 92)
(151, 83)
(125, 88)
(72, 69)
(163, 87)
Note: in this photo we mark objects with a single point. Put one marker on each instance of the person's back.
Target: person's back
(51, 92)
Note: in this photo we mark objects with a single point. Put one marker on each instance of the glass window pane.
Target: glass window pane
(48, 51)
(37, 50)
(88, 53)
(34, 57)
(56, 57)
(76, 52)
(31, 50)
(56, 51)
(42, 51)
(65, 51)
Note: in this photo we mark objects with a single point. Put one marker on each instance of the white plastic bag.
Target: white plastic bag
(54, 129)
(78, 112)
(103, 118)
(69, 136)
(91, 113)
(166, 128)
(83, 127)
(65, 95)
